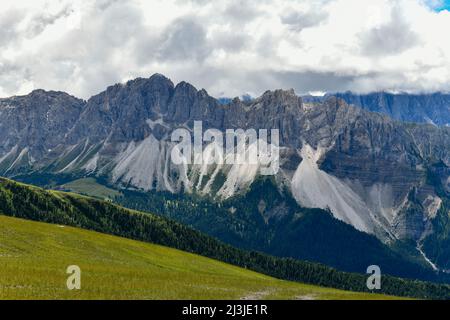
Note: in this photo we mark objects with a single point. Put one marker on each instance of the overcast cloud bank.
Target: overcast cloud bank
(227, 47)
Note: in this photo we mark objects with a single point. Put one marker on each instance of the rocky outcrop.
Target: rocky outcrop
(32, 126)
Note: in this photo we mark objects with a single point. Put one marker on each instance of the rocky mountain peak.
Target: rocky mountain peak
(40, 98)
(159, 77)
(278, 94)
(185, 88)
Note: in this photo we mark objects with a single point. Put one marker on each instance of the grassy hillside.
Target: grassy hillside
(34, 257)
(267, 220)
(34, 203)
(89, 186)
(282, 229)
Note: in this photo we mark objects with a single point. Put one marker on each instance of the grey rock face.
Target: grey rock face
(119, 114)
(31, 126)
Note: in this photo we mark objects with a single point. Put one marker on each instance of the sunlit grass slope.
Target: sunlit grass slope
(89, 186)
(34, 257)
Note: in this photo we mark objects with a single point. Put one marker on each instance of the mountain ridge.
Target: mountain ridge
(363, 166)
(432, 108)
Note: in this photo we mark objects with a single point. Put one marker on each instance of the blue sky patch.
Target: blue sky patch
(444, 6)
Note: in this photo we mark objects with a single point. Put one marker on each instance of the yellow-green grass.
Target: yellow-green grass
(91, 187)
(34, 257)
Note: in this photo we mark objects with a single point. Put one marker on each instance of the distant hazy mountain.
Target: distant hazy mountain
(422, 108)
(381, 176)
(243, 98)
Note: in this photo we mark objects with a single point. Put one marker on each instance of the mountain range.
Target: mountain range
(431, 108)
(385, 178)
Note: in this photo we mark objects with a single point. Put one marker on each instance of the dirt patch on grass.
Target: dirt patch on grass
(259, 295)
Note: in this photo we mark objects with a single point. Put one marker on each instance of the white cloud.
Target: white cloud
(226, 46)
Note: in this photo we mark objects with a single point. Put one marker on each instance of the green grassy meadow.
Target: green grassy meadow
(89, 186)
(34, 257)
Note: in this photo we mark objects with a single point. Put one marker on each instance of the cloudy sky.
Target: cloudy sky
(228, 47)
